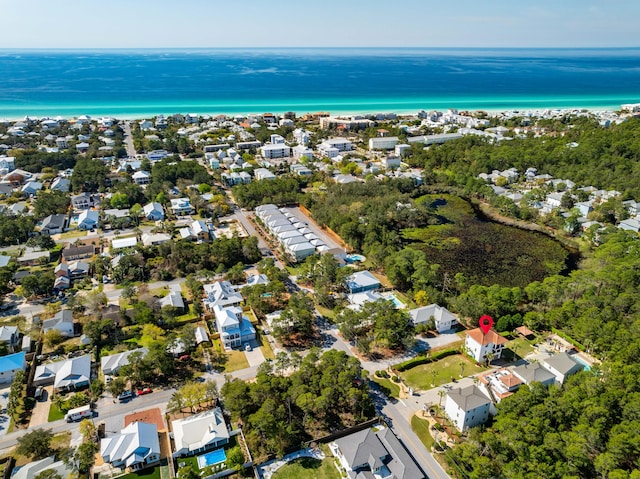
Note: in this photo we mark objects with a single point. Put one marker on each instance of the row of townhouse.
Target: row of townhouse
(297, 240)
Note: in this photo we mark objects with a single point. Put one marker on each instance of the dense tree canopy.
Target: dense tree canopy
(324, 394)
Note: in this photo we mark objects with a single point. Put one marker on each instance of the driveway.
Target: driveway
(40, 413)
(4, 417)
(255, 356)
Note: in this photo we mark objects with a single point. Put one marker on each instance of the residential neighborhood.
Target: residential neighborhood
(182, 259)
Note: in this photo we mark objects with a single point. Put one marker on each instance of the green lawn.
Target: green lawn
(267, 351)
(55, 414)
(72, 234)
(308, 468)
(520, 347)
(421, 428)
(387, 386)
(235, 360)
(421, 377)
(149, 473)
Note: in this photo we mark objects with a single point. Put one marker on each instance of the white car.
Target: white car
(247, 347)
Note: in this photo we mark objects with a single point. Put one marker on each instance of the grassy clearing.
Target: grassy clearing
(55, 414)
(72, 234)
(519, 347)
(309, 468)
(387, 386)
(148, 473)
(236, 360)
(421, 428)
(267, 351)
(440, 372)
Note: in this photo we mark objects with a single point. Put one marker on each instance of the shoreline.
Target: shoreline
(120, 113)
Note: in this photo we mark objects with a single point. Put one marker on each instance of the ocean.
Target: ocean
(142, 83)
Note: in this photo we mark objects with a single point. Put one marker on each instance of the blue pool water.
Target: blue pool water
(581, 361)
(352, 258)
(212, 458)
(396, 302)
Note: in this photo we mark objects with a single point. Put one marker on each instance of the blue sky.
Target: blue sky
(332, 23)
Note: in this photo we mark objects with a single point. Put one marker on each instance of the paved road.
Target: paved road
(399, 412)
(128, 140)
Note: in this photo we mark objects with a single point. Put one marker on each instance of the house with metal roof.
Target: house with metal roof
(201, 432)
(362, 281)
(66, 375)
(112, 363)
(136, 447)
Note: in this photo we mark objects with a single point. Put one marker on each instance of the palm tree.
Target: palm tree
(462, 365)
(441, 393)
(489, 357)
(433, 377)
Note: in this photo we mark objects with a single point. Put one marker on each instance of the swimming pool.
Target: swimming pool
(212, 458)
(352, 258)
(583, 362)
(391, 297)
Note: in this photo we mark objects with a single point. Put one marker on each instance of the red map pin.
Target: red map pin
(485, 323)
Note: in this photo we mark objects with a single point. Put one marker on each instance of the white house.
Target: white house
(112, 363)
(153, 211)
(199, 433)
(88, 219)
(136, 447)
(279, 150)
(562, 366)
(234, 328)
(383, 143)
(62, 321)
(263, 174)
(121, 243)
(9, 335)
(141, 177)
(221, 293)
(34, 468)
(467, 407)
(181, 206)
(66, 375)
(478, 345)
(444, 320)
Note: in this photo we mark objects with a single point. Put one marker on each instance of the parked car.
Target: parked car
(143, 391)
(125, 396)
(247, 347)
(39, 393)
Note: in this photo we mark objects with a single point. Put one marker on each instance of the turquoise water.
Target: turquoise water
(139, 83)
(352, 258)
(212, 458)
(581, 361)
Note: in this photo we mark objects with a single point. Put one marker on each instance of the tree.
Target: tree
(95, 301)
(119, 200)
(85, 456)
(48, 474)
(50, 203)
(35, 444)
(89, 174)
(52, 338)
(117, 386)
(235, 458)
(88, 430)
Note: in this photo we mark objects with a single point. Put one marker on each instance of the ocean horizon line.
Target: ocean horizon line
(332, 48)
